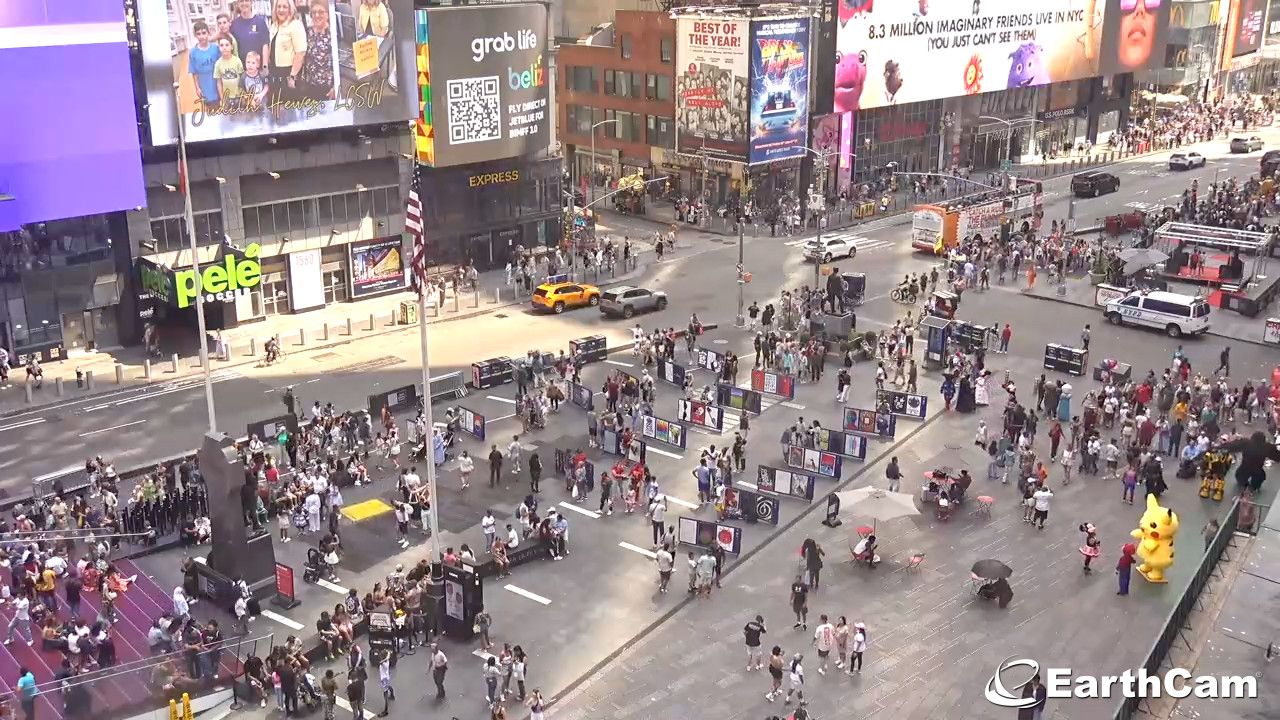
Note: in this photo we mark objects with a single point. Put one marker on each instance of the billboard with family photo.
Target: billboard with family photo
(712, 88)
(240, 68)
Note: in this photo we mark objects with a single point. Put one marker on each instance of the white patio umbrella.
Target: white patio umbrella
(877, 504)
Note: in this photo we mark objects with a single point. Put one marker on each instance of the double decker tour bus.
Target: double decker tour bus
(979, 217)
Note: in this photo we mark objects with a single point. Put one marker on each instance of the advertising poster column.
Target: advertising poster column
(712, 89)
(779, 89)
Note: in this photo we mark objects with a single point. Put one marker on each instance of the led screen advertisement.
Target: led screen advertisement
(779, 88)
(482, 83)
(1134, 34)
(1244, 27)
(712, 87)
(239, 68)
(69, 120)
(1273, 22)
(377, 266)
(894, 52)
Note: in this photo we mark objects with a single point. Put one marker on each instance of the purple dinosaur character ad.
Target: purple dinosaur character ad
(1026, 66)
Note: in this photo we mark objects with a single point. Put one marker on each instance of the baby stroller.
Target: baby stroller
(309, 692)
(313, 567)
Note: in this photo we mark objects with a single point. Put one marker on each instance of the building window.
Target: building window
(275, 297)
(660, 131)
(626, 46)
(171, 233)
(580, 78)
(316, 216)
(609, 80)
(578, 118)
(658, 87)
(667, 49)
(627, 126)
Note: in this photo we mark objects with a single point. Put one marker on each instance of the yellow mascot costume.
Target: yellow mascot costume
(1155, 532)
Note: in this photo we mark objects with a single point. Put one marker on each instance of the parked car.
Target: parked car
(625, 301)
(1094, 183)
(830, 248)
(1186, 161)
(557, 297)
(1270, 163)
(1246, 145)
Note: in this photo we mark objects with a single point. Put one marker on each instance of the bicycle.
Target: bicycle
(904, 295)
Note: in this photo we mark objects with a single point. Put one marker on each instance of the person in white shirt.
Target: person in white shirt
(312, 505)
(1042, 498)
(21, 620)
(513, 454)
(181, 608)
(489, 525)
(797, 679)
(824, 638)
(513, 538)
(466, 466)
(857, 647)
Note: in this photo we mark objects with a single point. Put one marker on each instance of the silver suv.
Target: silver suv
(625, 301)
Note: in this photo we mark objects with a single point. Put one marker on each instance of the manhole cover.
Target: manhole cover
(500, 315)
(720, 341)
(324, 356)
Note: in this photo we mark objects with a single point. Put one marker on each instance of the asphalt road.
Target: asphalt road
(139, 426)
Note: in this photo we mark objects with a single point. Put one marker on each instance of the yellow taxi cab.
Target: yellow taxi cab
(558, 296)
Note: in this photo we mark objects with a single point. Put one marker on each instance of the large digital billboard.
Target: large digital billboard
(68, 123)
(712, 90)
(779, 88)
(1134, 34)
(482, 83)
(1244, 27)
(894, 52)
(239, 68)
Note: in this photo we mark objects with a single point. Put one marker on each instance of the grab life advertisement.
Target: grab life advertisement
(894, 52)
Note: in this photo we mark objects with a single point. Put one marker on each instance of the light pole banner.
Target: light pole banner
(712, 87)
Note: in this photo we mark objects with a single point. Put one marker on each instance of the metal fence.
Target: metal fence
(1177, 617)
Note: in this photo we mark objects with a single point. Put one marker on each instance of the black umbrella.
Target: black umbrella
(991, 570)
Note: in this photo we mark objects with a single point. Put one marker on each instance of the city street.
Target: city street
(600, 637)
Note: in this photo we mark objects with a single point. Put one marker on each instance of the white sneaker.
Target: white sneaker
(822, 671)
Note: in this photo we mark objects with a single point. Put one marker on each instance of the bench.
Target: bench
(528, 551)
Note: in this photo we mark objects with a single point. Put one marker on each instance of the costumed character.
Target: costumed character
(1254, 453)
(981, 395)
(1156, 531)
(1217, 462)
(1092, 547)
(1064, 403)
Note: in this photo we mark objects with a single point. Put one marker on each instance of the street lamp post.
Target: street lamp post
(593, 156)
(185, 179)
(817, 203)
(1009, 125)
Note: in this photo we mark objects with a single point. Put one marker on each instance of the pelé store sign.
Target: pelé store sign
(219, 282)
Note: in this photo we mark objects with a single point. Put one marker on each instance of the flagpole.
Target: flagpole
(418, 272)
(184, 171)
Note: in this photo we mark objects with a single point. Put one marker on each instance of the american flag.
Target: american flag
(413, 225)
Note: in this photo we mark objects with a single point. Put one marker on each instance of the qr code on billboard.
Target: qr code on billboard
(475, 114)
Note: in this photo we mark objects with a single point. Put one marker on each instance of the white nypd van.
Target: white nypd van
(1174, 313)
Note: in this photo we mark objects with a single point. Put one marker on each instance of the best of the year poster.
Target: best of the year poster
(712, 90)
(779, 88)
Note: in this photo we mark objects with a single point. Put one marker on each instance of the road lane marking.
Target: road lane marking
(500, 417)
(97, 407)
(501, 399)
(281, 619)
(664, 453)
(793, 406)
(678, 501)
(620, 363)
(345, 705)
(27, 423)
(332, 586)
(582, 511)
(526, 594)
(637, 549)
(113, 427)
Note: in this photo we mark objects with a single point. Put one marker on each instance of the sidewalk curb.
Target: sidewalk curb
(337, 342)
(1063, 301)
(813, 507)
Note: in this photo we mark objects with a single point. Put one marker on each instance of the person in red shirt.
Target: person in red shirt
(1005, 334)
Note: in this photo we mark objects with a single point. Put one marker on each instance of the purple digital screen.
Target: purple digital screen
(70, 140)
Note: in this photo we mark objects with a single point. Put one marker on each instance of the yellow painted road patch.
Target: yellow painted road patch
(365, 510)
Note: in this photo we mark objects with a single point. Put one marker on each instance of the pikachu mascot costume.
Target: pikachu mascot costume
(1155, 534)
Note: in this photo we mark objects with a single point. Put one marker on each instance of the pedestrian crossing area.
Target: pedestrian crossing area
(862, 242)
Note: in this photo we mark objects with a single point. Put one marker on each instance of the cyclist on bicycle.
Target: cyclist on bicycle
(273, 350)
